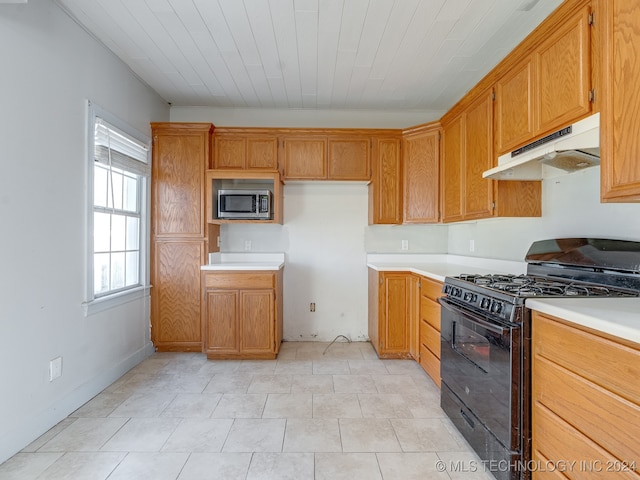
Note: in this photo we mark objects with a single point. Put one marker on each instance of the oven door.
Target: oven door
(480, 364)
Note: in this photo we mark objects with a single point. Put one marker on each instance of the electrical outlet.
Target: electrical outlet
(55, 368)
(312, 307)
(405, 244)
(472, 245)
(247, 245)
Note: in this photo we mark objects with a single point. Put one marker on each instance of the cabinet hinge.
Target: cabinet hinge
(493, 205)
(592, 95)
(493, 96)
(591, 19)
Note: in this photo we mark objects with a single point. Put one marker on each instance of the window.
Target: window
(119, 173)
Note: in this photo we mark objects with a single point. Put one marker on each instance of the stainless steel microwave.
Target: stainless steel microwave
(244, 204)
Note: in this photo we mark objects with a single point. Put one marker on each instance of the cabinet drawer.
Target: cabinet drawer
(559, 442)
(238, 281)
(594, 411)
(430, 288)
(602, 361)
(430, 312)
(430, 338)
(430, 363)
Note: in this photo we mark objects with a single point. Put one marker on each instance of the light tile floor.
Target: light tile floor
(314, 413)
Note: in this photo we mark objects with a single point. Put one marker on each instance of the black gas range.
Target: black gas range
(486, 339)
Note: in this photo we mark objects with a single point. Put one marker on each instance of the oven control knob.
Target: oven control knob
(496, 307)
(469, 297)
(485, 303)
(447, 289)
(456, 292)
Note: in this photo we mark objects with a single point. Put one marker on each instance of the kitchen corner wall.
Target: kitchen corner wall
(570, 208)
(50, 67)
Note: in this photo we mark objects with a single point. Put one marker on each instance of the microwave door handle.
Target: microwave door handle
(471, 317)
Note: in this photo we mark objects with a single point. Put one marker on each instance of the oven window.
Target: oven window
(472, 345)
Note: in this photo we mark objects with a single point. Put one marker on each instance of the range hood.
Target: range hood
(572, 148)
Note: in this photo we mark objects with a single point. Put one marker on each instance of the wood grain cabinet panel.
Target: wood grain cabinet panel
(618, 31)
(181, 155)
(243, 314)
(478, 157)
(514, 114)
(175, 300)
(305, 158)
(242, 151)
(385, 189)
(451, 179)
(349, 158)
(391, 307)
(429, 358)
(421, 160)
(563, 73)
(586, 398)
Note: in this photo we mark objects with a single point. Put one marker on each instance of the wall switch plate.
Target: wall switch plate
(218, 241)
(55, 368)
(312, 307)
(472, 245)
(405, 245)
(247, 245)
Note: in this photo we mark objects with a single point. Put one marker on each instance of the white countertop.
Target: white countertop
(244, 261)
(616, 316)
(438, 266)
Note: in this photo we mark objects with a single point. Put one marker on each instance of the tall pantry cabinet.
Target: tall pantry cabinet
(181, 153)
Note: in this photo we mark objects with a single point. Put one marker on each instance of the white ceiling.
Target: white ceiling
(315, 54)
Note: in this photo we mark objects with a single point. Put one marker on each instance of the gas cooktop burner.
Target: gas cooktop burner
(531, 286)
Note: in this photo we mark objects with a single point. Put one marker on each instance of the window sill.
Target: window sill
(111, 301)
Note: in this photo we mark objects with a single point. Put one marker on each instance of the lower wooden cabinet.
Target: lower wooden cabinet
(242, 314)
(586, 401)
(391, 308)
(429, 327)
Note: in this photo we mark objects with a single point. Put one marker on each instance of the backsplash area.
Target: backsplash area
(570, 208)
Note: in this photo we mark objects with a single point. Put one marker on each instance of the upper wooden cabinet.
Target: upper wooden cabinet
(245, 151)
(549, 88)
(385, 189)
(514, 113)
(305, 158)
(327, 157)
(181, 153)
(349, 158)
(467, 152)
(617, 29)
(421, 159)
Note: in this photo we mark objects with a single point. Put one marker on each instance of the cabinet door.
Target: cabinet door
(563, 73)
(305, 158)
(451, 164)
(222, 333)
(257, 321)
(180, 158)
(421, 162)
(620, 165)
(175, 297)
(385, 189)
(394, 326)
(514, 112)
(478, 157)
(262, 153)
(229, 152)
(349, 158)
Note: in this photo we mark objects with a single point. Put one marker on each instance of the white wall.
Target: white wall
(303, 118)
(570, 208)
(50, 67)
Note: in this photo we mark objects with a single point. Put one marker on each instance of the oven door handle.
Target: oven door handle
(492, 327)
